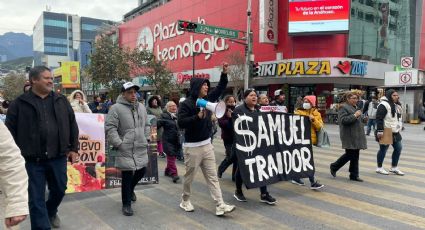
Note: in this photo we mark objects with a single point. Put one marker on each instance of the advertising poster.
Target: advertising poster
(70, 72)
(89, 173)
(113, 175)
(318, 16)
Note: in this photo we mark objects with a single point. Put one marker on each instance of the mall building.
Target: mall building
(302, 47)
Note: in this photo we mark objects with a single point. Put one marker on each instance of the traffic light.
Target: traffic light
(255, 69)
(186, 25)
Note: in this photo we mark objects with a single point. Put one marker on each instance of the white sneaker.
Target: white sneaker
(397, 171)
(382, 171)
(187, 206)
(224, 208)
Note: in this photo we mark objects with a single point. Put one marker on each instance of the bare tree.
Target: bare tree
(13, 85)
(236, 71)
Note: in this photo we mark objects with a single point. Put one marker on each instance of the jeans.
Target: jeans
(370, 123)
(396, 153)
(351, 155)
(129, 182)
(52, 172)
(171, 168)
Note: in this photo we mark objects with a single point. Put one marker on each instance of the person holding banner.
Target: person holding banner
(226, 126)
(309, 109)
(170, 139)
(389, 116)
(263, 100)
(126, 130)
(44, 127)
(78, 102)
(352, 134)
(198, 150)
(248, 107)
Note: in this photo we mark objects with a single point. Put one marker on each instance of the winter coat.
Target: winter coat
(351, 129)
(22, 120)
(196, 129)
(13, 176)
(126, 129)
(371, 109)
(170, 138)
(316, 125)
(157, 113)
(226, 125)
(385, 119)
(97, 107)
(76, 105)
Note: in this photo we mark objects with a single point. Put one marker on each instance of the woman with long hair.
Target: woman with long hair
(154, 108)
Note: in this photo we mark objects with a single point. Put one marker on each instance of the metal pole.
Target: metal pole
(405, 104)
(248, 50)
(193, 65)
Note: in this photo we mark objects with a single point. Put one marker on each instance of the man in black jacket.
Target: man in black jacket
(198, 150)
(44, 127)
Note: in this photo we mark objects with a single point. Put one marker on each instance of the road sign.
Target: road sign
(406, 62)
(217, 31)
(406, 78)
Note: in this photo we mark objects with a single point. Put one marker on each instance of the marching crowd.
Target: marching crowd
(40, 135)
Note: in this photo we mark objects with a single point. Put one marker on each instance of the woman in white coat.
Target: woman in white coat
(78, 102)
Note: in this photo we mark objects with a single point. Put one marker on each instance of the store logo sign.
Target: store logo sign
(352, 68)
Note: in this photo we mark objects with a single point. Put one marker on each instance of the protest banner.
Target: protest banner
(89, 173)
(273, 147)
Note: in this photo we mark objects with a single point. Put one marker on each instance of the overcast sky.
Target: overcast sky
(21, 15)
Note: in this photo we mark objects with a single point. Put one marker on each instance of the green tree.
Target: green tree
(144, 63)
(109, 65)
(13, 85)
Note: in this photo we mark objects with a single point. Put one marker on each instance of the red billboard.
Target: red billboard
(318, 16)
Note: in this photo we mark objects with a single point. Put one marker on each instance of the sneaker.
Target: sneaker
(333, 172)
(298, 182)
(382, 171)
(316, 185)
(55, 221)
(239, 196)
(175, 178)
(161, 155)
(133, 197)
(127, 211)
(223, 209)
(266, 198)
(187, 206)
(397, 171)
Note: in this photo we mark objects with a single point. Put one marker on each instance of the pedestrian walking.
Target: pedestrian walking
(353, 138)
(226, 126)
(43, 125)
(198, 150)
(248, 107)
(127, 131)
(389, 115)
(170, 139)
(309, 109)
(14, 179)
(154, 108)
(371, 107)
(78, 102)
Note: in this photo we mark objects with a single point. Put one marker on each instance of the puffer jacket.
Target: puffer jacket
(316, 125)
(13, 176)
(157, 113)
(126, 129)
(75, 104)
(170, 138)
(351, 129)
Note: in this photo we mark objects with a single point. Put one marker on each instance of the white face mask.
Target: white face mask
(306, 105)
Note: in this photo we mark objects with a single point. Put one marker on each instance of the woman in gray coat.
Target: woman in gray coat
(127, 131)
(351, 131)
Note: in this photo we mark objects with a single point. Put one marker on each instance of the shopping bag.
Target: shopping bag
(323, 139)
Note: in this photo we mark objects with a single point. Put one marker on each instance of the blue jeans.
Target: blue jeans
(396, 153)
(52, 172)
(371, 123)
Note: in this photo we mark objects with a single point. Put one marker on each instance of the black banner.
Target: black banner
(272, 147)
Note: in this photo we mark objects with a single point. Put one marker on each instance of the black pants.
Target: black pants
(239, 182)
(228, 160)
(351, 155)
(52, 172)
(129, 182)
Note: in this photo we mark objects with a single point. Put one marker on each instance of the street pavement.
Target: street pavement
(381, 202)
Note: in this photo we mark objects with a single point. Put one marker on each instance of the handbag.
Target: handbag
(323, 139)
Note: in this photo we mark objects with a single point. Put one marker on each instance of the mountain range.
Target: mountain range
(15, 45)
